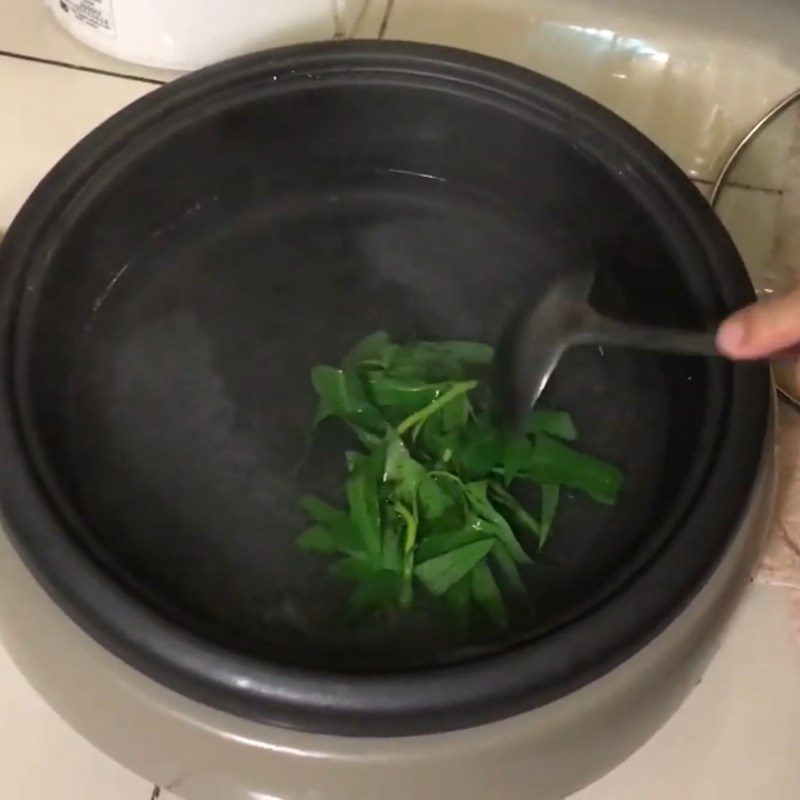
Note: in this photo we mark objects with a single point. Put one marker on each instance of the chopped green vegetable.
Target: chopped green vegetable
(481, 446)
(432, 503)
(398, 398)
(493, 522)
(323, 512)
(374, 350)
(356, 568)
(318, 539)
(516, 454)
(436, 500)
(439, 543)
(362, 494)
(439, 361)
(504, 498)
(374, 592)
(507, 565)
(550, 492)
(487, 594)
(553, 462)
(440, 573)
(402, 470)
(553, 423)
(337, 525)
(458, 601)
(341, 394)
(416, 420)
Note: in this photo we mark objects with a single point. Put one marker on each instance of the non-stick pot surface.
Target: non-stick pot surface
(199, 254)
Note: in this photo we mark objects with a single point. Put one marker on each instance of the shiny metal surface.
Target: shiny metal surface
(737, 152)
(787, 387)
(534, 343)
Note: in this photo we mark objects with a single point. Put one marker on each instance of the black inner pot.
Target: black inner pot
(171, 284)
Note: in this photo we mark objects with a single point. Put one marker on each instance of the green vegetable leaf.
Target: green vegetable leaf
(553, 423)
(416, 420)
(362, 494)
(550, 493)
(375, 592)
(441, 503)
(458, 601)
(440, 573)
(434, 445)
(403, 539)
(393, 544)
(374, 350)
(487, 595)
(553, 462)
(397, 398)
(455, 414)
(438, 544)
(357, 567)
(402, 470)
(338, 526)
(375, 585)
(517, 453)
(434, 499)
(318, 539)
(410, 524)
(504, 498)
(323, 512)
(440, 361)
(480, 449)
(428, 498)
(508, 568)
(492, 522)
(342, 395)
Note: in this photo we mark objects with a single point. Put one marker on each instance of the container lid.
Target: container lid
(757, 197)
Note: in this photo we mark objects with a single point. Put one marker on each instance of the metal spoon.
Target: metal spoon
(535, 339)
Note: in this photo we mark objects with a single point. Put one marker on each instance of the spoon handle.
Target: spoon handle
(602, 330)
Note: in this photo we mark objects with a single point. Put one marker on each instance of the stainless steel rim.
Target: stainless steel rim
(727, 167)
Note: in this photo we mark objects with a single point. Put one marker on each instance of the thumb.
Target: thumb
(762, 329)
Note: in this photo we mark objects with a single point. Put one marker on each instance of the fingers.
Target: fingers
(762, 329)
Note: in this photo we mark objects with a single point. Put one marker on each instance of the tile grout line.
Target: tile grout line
(91, 70)
(359, 20)
(337, 12)
(387, 12)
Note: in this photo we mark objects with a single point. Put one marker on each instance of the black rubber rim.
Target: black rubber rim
(429, 701)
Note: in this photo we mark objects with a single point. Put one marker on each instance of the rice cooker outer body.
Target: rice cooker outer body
(201, 753)
(185, 34)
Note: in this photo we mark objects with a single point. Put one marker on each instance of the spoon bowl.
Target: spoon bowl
(539, 334)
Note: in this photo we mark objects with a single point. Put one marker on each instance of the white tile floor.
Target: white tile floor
(693, 81)
(42, 759)
(45, 110)
(736, 738)
(28, 30)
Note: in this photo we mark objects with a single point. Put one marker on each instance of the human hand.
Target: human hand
(763, 329)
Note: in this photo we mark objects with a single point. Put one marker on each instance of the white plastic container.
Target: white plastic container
(186, 34)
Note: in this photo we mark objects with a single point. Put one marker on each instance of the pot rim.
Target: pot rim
(437, 699)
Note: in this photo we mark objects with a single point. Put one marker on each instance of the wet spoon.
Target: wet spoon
(536, 337)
